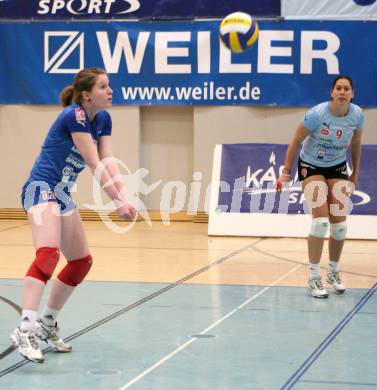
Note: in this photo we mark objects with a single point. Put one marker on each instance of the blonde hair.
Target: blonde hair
(84, 81)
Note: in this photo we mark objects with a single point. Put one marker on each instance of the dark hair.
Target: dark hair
(84, 81)
(342, 76)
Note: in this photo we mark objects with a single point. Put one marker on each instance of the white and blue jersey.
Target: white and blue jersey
(60, 162)
(330, 135)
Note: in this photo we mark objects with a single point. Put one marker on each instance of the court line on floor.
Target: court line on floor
(11, 348)
(306, 263)
(12, 304)
(341, 383)
(149, 248)
(137, 303)
(13, 227)
(295, 377)
(218, 322)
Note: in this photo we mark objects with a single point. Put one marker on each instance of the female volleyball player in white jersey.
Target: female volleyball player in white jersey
(81, 135)
(327, 130)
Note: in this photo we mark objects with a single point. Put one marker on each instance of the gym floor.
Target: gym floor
(167, 307)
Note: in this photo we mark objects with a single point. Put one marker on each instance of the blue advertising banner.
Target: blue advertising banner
(184, 63)
(249, 173)
(334, 9)
(133, 9)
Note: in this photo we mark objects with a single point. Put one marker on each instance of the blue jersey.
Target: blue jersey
(59, 159)
(330, 135)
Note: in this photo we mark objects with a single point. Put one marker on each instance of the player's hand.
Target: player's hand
(353, 179)
(125, 209)
(283, 178)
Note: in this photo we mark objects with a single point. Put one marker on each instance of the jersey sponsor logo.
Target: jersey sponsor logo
(339, 133)
(75, 162)
(343, 168)
(48, 195)
(67, 170)
(304, 172)
(321, 153)
(325, 132)
(57, 53)
(80, 116)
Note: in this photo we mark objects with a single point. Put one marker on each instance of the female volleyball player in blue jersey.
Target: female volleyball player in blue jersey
(327, 130)
(80, 136)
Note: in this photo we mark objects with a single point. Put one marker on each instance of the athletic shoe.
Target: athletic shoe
(27, 345)
(49, 334)
(316, 289)
(334, 280)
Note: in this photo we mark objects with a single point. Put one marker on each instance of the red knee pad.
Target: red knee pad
(44, 264)
(75, 271)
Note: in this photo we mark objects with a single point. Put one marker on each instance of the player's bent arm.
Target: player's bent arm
(105, 152)
(300, 134)
(355, 147)
(105, 147)
(89, 153)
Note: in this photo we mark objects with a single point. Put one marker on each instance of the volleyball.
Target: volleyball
(239, 31)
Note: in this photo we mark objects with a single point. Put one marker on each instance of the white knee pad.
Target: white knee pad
(319, 227)
(338, 231)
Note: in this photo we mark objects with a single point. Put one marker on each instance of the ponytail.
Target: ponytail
(84, 81)
(66, 96)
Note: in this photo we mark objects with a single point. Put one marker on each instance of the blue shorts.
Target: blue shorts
(38, 192)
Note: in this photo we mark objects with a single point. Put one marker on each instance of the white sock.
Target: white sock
(49, 316)
(333, 266)
(314, 271)
(28, 318)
